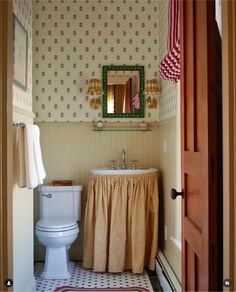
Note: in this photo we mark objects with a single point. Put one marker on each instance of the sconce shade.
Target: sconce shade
(151, 87)
(95, 87)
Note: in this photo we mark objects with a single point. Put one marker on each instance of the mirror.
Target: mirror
(123, 88)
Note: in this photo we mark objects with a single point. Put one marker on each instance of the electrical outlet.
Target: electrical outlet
(166, 233)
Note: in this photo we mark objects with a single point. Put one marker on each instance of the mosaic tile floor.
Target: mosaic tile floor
(89, 279)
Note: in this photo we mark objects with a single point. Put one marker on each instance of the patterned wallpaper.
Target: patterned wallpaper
(23, 11)
(167, 98)
(73, 39)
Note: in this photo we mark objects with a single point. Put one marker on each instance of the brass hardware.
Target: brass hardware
(95, 88)
(152, 88)
(95, 103)
(151, 102)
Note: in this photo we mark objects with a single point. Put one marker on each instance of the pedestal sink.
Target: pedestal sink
(107, 171)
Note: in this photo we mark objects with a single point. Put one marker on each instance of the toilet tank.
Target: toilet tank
(58, 201)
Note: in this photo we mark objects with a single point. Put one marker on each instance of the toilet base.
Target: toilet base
(57, 265)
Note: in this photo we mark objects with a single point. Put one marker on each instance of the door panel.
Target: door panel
(193, 201)
(198, 108)
(192, 237)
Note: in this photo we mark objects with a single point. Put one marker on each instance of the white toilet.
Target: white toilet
(57, 229)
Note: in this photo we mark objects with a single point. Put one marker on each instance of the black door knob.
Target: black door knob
(174, 194)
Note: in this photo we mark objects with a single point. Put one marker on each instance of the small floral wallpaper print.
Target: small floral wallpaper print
(167, 101)
(23, 10)
(73, 39)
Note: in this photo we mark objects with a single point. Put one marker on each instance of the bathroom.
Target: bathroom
(69, 42)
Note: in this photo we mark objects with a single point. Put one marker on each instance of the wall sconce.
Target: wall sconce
(95, 88)
(152, 88)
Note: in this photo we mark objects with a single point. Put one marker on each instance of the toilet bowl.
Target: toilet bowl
(57, 235)
(57, 229)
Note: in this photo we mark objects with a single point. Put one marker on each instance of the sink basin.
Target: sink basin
(105, 171)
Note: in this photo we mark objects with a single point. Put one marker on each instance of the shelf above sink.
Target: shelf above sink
(107, 171)
(121, 128)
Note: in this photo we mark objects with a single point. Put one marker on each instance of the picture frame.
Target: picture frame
(20, 50)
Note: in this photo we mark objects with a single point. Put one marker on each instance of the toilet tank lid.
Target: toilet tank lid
(56, 223)
(47, 188)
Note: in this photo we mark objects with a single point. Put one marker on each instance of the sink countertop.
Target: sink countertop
(107, 171)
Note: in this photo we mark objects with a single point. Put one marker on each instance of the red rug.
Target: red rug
(127, 289)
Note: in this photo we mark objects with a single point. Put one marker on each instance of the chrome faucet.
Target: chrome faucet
(123, 164)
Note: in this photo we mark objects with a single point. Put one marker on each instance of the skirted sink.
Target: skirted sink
(106, 171)
(122, 206)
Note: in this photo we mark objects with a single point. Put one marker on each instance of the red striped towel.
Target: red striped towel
(170, 65)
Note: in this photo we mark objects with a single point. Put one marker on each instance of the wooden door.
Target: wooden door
(229, 138)
(6, 169)
(200, 267)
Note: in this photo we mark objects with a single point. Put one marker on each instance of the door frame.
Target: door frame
(229, 140)
(6, 167)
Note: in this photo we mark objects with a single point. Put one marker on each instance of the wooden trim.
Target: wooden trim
(182, 90)
(6, 168)
(229, 138)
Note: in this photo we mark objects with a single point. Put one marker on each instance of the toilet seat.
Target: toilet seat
(56, 225)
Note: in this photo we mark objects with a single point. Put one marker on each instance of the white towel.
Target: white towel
(35, 172)
(20, 158)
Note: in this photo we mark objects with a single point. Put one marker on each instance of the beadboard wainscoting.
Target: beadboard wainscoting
(169, 210)
(70, 150)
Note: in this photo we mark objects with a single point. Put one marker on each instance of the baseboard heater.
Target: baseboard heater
(167, 278)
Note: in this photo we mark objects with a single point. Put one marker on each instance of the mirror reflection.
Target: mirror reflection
(122, 91)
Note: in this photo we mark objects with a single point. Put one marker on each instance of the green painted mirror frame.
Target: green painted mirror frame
(105, 113)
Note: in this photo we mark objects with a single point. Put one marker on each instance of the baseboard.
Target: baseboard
(167, 278)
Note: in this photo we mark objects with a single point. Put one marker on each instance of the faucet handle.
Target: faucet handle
(134, 164)
(113, 164)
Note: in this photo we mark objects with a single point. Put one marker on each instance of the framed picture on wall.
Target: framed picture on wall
(20, 55)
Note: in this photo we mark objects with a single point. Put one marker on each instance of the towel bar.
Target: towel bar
(22, 125)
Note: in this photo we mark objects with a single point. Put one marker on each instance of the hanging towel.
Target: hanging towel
(38, 156)
(35, 172)
(20, 158)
